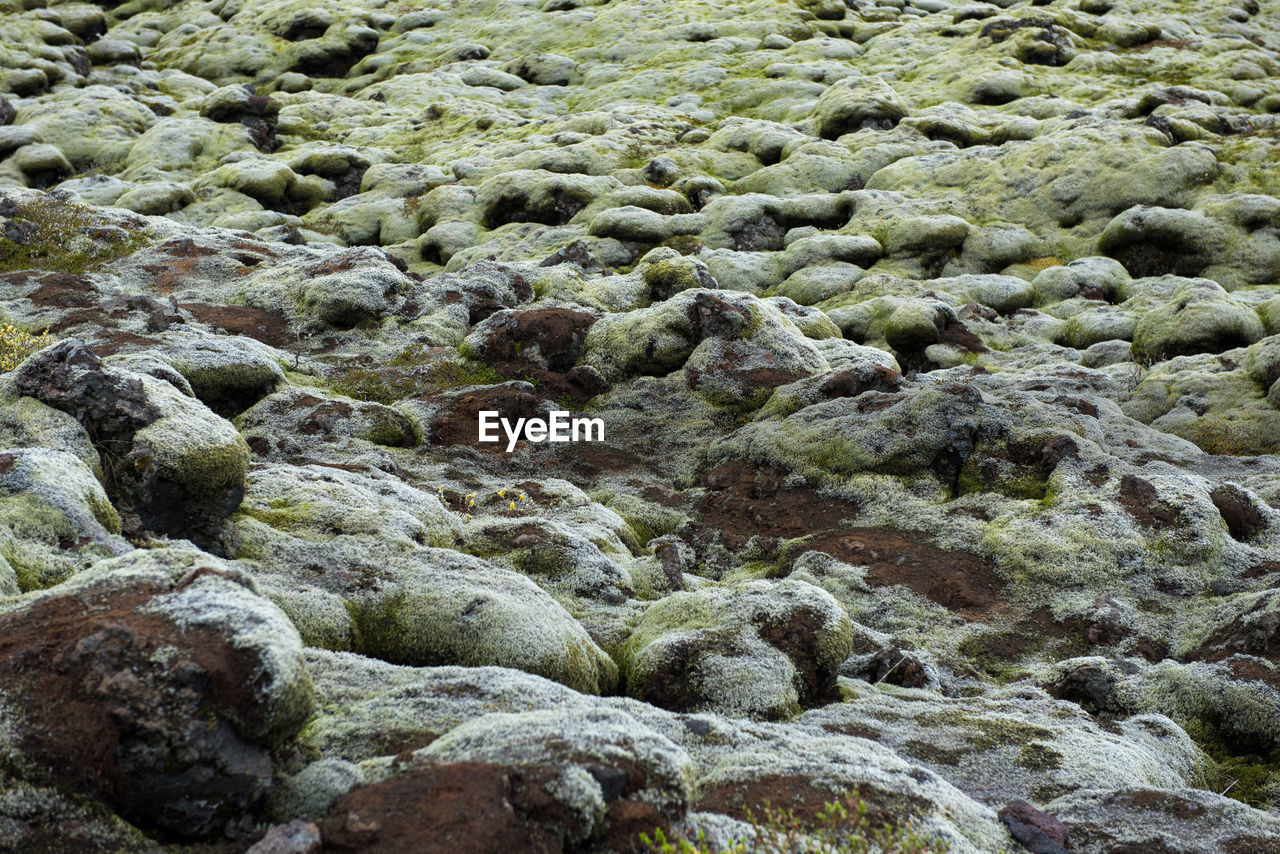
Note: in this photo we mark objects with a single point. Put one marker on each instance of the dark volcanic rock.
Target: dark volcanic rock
(70, 377)
(542, 345)
(1039, 832)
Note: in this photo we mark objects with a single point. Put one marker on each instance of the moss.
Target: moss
(685, 244)
(1238, 775)
(376, 630)
(207, 470)
(1042, 793)
(281, 515)
(680, 612)
(845, 825)
(106, 514)
(991, 652)
(28, 517)
(1230, 434)
(646, 519)
(1039, 757)
(1038, 264)
(930, 751)
(65, 238)
(671, 275)
(753, 570)
(987, 732)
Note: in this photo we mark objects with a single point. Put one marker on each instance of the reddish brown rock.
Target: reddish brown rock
(457, 417)
(1039, 832)
(115, 690)
(542, 345)
(451, 808)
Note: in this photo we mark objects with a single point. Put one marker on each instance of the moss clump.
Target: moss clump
(646, 519)
(33, 519)
(996, 653)
(207, 470)
(1037, 756)
(417, 371)
(1233, 435)
(17, 344)
(1038, 264)
(281, 515)
(61, 237)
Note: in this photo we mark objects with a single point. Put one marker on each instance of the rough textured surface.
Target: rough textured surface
(173, 680)
(936, 345)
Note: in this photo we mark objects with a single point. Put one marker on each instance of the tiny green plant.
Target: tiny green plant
(17, 344)
(417, 371)
(840, 827)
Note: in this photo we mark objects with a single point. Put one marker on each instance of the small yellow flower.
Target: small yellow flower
(522, 496)
(511, 506)
(502, 493)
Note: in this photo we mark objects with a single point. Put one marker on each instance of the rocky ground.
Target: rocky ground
(938, 349)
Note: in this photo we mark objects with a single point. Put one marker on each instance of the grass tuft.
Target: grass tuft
(841, 827)
(61, 237)
(418, 371)
(17, 344)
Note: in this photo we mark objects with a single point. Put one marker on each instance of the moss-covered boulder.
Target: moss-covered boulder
(663, 338)
(1195, 316)
(856, 103)
(645, 772)
(228, 373)
(181, 745)
(176, 468)
(57, 519)
(760, 649)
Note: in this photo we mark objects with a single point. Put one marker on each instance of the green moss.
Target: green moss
(65, 238)
(930, 751)
(376, 630)
(988, 732)
(1238, 775)
(207, 470)
(1039, 757)
(752, 570)
(1233, 434)
(106, 515)
(671, 275)
(31, 518)
(681, 612)
(281, 515)
(842, 827)
(645, 519)
(992, 652)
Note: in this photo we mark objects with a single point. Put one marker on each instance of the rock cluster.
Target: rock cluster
(937, 345)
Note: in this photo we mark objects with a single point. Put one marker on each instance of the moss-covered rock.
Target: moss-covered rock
(57, 519)
(757, 649)
(218, 681)
(1196, 316)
